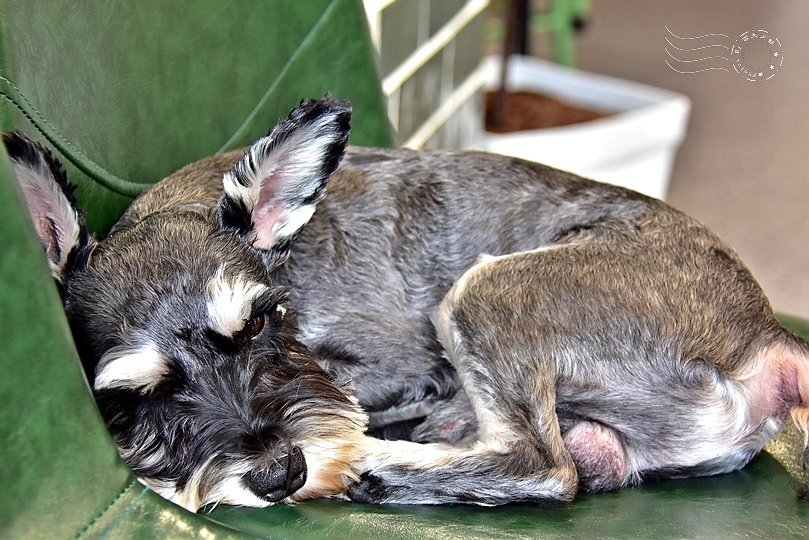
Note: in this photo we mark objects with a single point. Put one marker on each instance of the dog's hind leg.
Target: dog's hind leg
(519, 454)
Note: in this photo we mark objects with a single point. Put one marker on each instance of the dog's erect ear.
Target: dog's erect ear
(271, 193)
(50, 201)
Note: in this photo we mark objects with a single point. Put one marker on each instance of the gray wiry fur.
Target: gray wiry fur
(529, 332)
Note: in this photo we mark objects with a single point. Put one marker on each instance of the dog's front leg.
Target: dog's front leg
(519, 454)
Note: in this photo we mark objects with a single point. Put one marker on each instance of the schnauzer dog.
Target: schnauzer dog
(260, 326)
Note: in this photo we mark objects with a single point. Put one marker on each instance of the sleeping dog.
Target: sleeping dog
(261, 323)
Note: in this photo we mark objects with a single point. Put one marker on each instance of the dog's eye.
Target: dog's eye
(253, 327)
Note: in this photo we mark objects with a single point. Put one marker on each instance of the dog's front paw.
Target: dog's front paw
(371, 489)
(393, 485)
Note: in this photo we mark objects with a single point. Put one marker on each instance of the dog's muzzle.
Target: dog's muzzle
(286, 476)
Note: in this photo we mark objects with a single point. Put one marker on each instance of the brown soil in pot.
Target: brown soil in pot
(528, 110)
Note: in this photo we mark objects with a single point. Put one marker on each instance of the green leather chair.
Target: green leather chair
(126, 92)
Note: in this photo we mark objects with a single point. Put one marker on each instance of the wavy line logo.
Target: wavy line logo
(756, 55)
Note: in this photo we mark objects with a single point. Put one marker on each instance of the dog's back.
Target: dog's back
(397, 229)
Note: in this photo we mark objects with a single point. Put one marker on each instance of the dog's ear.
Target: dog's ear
(271, 193)
(50, 201)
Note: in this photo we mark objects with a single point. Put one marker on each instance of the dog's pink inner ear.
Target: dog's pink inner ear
(46, 228)
(267, 215)
(280, 210)
(55, 220)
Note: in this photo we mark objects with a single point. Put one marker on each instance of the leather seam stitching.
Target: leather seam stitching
(61, 143)
(44, 120)
(106, 509)
(126, 511)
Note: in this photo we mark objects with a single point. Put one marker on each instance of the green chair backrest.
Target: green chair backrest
(129, 91)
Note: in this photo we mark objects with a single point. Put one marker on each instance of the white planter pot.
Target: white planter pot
(634, 148)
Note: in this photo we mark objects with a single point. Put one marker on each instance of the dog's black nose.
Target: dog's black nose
(285, 477)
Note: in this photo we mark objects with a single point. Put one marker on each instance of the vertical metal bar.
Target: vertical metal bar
(524, 30)
(509, 47)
